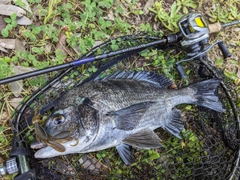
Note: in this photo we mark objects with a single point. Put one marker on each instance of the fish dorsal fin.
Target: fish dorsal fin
(125, 153)
(147, 76)
(144, 139)
(128, 118)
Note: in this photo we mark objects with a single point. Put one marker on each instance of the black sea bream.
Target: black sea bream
(123, 110)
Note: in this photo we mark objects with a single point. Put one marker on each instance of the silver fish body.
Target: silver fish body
(123, 110)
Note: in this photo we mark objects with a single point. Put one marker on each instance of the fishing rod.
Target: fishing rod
(79, 62)
(194, 32)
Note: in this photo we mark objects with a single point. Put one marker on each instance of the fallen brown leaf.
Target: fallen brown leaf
(5, 1)
(8, 10)
(97, 43)
(111, 15)
(2, 23)
(16, 87)
(15, 102)
(3, 50)
(147, 5)
(7, 43)
(4, 116)
(61, 44)
(23, 21)
(19, 45)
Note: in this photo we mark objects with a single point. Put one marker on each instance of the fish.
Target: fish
(122, 110)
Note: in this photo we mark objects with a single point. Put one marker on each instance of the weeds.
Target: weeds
(168, 19)
(11, 23)
(86, 22)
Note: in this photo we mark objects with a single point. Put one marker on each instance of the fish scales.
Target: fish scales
(117, 97)
(123, 110)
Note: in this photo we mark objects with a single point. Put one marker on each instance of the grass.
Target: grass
(64, 31)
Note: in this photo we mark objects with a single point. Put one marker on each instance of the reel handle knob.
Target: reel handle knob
(181, 71)
(222, 46)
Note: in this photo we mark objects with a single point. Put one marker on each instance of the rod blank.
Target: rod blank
(79, 62)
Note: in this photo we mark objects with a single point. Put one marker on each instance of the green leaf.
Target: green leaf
(173, 10)
(192, 5)
(154, 155)
(38, 50)
(36, 30)
(5, 33)
(13, 16)
(14, 23)
(119, 9)
(20, 3)
(193, 138)
(7, 20)
(9, 27)
(31, 57)
(1, 129)
(185, 10)
(219, 62)
(26, 33)
(38, 81)
(68, 6)
(4, 69)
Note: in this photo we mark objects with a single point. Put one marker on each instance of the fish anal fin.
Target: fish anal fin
(128, 118)
(125, 153)
(175, 124)
(146, 138)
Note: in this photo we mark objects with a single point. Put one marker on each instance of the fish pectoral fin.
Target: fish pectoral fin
(128, 118)
(125, 153)
(175, 124)
(146, 138)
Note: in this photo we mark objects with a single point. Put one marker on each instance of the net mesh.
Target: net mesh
(208, 148)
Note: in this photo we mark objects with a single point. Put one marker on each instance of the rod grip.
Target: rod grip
(214, 28)
(222, 46)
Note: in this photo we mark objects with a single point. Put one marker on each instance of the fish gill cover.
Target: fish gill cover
(208, 148)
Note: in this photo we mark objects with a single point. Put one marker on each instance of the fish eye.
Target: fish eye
(58, 119)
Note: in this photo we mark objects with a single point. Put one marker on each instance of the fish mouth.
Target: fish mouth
(46, 152)
(37, 145)
(43, 150)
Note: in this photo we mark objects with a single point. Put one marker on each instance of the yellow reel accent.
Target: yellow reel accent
(199, 22)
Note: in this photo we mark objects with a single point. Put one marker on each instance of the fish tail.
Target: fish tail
(206, 94)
